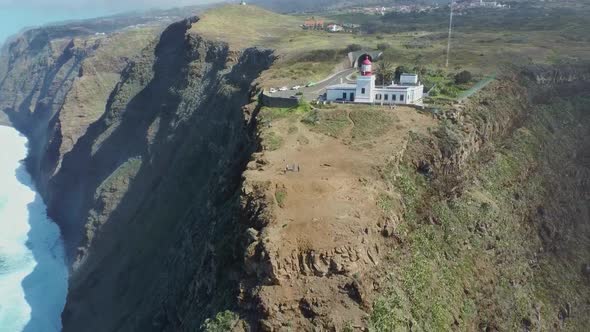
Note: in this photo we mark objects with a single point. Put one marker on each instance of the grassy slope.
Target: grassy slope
(247, 26)
(87, 99)
(480, 264)
(483, 40)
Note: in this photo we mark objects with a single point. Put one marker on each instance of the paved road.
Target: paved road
(312, 92)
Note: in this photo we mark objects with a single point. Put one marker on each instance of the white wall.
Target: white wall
(334, 94)
(408, 79)
(367, 83)
(410, 95)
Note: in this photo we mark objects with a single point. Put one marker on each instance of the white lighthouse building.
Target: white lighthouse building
(408, 91)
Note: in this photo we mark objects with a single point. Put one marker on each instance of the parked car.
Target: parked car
(272, 90)
(297, 87)
(284, 88)
(310, 84)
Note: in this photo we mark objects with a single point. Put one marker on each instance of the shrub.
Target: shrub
(399, 71)
(281, 196)
(463, 77)
(319, 55)
(223, 321)
(383, 46)
(353, 48)
(449, 90)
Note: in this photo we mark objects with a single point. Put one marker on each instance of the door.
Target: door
(352, 96)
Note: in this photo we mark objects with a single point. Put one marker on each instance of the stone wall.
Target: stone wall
(281, 102)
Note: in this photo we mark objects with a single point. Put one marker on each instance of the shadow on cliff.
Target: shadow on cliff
(186, 126)
(45, 287)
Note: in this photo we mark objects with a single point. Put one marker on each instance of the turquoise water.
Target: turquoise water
(13, 18)
(33, 273)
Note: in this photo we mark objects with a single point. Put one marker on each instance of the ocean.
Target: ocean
(33, 273)
(14, 18)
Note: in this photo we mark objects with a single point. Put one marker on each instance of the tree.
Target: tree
(383, 46)
(353, 48)
(384, 72)
(463, 77)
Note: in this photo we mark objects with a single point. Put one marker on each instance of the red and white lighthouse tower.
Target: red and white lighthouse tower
(366, 67)
(365, 83)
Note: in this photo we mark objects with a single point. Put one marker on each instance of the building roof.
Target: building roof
(394, 87)
(344, 86)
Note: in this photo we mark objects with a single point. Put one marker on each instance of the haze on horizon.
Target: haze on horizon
(16, 15)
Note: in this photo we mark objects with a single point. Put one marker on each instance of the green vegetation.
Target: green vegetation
(223, 322)
(383, 46)
(441, 85)
(254, 25)
(348, 327)
(271, 141)
(370, 123)
(281, 196)
(328, 122)
(484, 39)
(467, 261)
(463, 77)
(384, 72)
(273, 113)
(359, 123)
(386, 203)
(353, 48)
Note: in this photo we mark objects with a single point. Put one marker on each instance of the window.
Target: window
(394, 97)
(378, 96)
(363, 90)
(386, 97)
(344, 95)
(401, 97)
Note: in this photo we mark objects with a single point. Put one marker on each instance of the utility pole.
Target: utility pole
(450, 34)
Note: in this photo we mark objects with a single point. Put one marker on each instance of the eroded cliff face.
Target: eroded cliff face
(55, 81)
(155, 184)
(139, 157)
(479, 223)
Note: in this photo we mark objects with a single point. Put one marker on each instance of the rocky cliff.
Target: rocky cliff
(139, 158)
(475, 220)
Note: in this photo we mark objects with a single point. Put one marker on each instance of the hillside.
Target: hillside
(399, 219)
(186, 204)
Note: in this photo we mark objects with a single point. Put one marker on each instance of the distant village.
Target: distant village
(418, 8)
(319, 24)
(334, 27)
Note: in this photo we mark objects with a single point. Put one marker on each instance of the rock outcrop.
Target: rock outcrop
(139, 159)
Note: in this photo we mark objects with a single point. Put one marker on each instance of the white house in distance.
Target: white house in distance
(335, 28)
(408, 91)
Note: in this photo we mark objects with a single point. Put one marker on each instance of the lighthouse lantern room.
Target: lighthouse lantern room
(365, 83)
(366, 67)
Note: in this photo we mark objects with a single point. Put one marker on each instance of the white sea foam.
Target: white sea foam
(33, 274)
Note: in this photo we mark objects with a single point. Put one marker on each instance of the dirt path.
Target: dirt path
(326, 225)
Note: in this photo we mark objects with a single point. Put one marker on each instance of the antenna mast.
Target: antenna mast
(450, 34)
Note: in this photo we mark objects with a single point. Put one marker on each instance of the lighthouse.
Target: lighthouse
(366, 67)
(365, 83)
